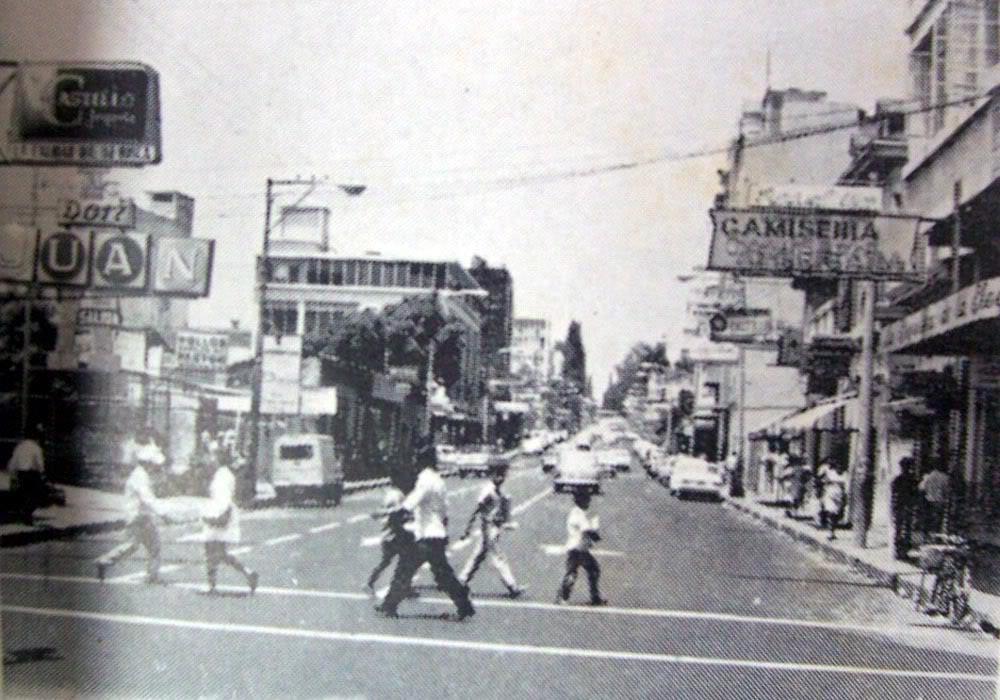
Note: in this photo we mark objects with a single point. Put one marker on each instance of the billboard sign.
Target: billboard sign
(746, 326)
(780, 242)
(202, 350)
(85, 115)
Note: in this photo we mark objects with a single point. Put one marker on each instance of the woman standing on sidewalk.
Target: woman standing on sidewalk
(222, 521)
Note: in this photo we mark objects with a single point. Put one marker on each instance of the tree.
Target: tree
(627, 372)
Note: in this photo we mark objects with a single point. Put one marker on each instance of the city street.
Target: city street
(703, 603)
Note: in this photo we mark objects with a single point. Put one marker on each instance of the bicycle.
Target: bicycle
(947, 558)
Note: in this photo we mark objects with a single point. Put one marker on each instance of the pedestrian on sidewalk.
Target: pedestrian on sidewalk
(26, 467)
(397, 533)
(583, 530)
(903, 502)
(430, 520)
(936, 490)
(834, 496)
(221, 518)
(142, 508)
(493, 515)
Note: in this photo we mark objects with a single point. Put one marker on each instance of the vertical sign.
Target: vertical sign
(281, 373)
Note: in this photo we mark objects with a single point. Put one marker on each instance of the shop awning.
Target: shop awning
(815, 418)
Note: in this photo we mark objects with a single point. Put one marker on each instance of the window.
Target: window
(281, 318)
(377, 269)
(415, 280)
(351, 275)
(339, 272)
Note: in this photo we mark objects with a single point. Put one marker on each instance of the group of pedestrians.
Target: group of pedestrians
(144, 511)
(415, 532)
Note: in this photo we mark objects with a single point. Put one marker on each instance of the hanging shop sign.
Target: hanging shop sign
(202, 350)
(281, 374)
(119, 213)
(118, 261)
(84, 115)
(979, 302)
(746, 326)
(781, 242)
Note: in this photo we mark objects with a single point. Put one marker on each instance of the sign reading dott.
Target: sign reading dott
(85, 115)
(779, 242)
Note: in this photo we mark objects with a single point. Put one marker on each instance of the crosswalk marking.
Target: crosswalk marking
(284, 538)
(493, 647)
(358, 518)
(323, 528)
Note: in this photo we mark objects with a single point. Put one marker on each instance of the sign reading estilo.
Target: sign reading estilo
(111, 260)
(85, 114)
(778, 242)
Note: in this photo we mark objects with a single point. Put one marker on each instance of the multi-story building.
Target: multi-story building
(531, 350)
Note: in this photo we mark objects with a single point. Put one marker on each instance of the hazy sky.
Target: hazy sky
(441, 108)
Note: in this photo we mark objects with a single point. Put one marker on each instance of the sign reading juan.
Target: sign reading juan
(779, 242)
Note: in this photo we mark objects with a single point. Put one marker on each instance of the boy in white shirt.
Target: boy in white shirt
(582, 530)
(221, 517)
(493, 512)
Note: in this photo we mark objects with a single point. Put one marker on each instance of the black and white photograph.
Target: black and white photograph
(462, 349)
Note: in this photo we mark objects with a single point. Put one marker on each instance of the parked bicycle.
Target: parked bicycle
(947, 559)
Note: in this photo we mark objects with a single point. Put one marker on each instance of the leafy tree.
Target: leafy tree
(627, 371)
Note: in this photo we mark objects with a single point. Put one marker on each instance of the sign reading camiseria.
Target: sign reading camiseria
(778, 242)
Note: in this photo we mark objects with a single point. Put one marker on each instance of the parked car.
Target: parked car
(533, 446)
(307, 466)
(695, 476)
(578, 470)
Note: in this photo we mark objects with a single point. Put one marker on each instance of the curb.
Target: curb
(903, 587)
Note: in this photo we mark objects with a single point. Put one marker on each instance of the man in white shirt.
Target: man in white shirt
(27, 476)
(493, 513)
(936, 490)
(582, 529)
(430, 529)
(142, 507)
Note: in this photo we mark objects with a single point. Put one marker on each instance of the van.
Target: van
(307, 466)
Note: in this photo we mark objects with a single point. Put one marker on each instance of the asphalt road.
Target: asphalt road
(704, 603)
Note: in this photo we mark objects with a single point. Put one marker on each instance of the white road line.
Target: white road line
(192, 537)
(554, 550)
(324, 528)
(284, 538)
(358, 518)
(654, 613)
(139, 575)
(493, 647)
(241, 550)
(518, 509)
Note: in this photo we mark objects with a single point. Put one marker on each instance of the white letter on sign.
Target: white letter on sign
(117, 261)
(176, 260)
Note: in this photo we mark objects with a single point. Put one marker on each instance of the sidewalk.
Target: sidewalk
(876, 563)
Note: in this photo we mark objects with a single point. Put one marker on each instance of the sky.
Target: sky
(476, 127)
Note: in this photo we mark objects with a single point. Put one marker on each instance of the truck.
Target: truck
(307, 466)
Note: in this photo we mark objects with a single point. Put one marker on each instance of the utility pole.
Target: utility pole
(256, 380)
(26, 328)
(863, 477)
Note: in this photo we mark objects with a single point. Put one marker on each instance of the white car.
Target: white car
(578, 470)
(695, 476)
(616, 459)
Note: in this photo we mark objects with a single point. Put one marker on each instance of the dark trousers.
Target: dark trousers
(432, 551)
(933, 517)
(392, 547)
(576, 558)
